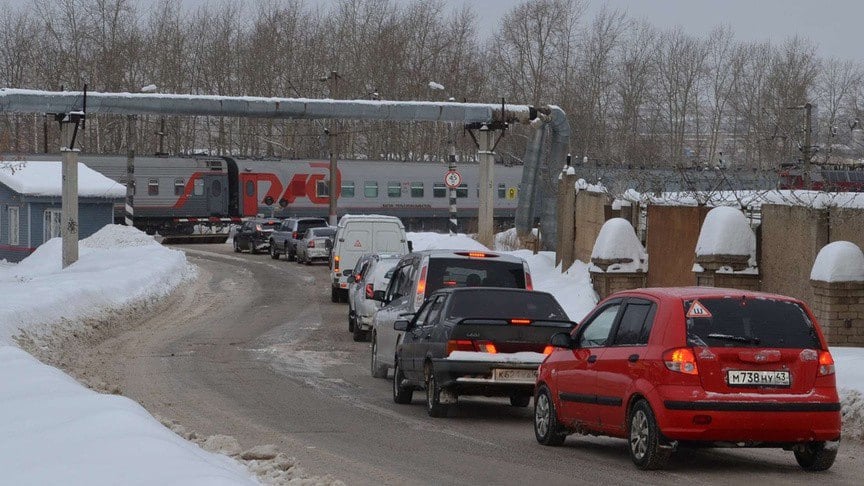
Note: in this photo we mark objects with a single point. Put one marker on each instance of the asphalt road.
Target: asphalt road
(255, 349)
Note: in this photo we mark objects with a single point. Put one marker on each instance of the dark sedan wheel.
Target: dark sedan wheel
(401, 394)
(645, 440)
(378, 370)
(547, 429)
(273, 253)
(815, 456)
(434, 407)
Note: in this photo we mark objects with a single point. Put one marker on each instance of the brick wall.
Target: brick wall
(839, 307)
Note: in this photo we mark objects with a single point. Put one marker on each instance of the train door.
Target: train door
(216, 191)
(249, 185)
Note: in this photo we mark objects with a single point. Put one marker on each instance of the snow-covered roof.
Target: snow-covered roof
(726, 232)
(841, 261)
(618, 241)
(44, 178)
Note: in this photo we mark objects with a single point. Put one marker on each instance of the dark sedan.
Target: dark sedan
(476, 341)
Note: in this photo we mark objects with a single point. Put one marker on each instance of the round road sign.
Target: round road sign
(452, 179)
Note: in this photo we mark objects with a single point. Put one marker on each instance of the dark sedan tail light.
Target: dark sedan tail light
(470, 345)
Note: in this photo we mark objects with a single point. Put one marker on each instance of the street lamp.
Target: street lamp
(333, 78)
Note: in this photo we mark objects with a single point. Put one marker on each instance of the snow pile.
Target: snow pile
(841, 261)
(55, 431)
(509, 240)
(45, 179)
(528, 357)
(583, 185)
(572, 289)
(437, 241)
(38, 292)
(618, 243)
(849, 363)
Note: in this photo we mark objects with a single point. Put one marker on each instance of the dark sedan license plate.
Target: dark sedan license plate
(757, 378)
(514, 375)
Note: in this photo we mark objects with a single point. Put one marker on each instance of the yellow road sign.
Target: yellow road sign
(512, 192)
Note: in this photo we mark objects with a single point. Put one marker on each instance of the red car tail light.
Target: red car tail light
(826, 363)
(370, 292)
(548, 349)
(681, 360)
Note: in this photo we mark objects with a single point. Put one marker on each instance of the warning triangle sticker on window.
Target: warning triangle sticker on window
(357, 244)
(698, 310)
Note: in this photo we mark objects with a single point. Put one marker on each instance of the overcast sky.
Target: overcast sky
(834, 25)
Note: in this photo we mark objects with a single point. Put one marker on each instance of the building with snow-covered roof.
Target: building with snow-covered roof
(30, 204)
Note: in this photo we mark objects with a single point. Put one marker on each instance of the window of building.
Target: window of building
(322, 188)
(439, 190)
(502, 191)
(51, 224)
(370, 189)
(394, 189)
(153, 187)
(179, 186)
(199, 187)
(347, 189)
(14, 225)
(417, 189)
(462, 190)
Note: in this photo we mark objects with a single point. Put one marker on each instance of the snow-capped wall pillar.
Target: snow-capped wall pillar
(726, 251)
(618, 260)
(837, 279)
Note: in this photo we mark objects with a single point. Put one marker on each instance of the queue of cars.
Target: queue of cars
(662, 368)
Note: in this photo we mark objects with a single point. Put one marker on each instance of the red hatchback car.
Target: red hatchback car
(693, 366)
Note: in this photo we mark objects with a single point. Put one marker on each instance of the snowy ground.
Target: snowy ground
(55, 431)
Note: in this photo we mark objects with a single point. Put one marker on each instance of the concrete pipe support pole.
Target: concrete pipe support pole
(69, 216)
(487, 203)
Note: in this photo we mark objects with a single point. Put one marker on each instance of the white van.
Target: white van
(356, 236)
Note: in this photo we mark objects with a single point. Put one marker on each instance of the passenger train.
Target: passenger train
(175, 195)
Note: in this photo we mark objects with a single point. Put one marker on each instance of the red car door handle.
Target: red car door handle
(592, 358)
(633, 358)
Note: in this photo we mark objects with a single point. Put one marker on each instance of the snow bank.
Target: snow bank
(749, 198)
(45, 179)
(55, 431)
(841, 261)
(437, 241)
(617, 241)
(572, 289)
(118, 266)
(849, 363)
(726, 232)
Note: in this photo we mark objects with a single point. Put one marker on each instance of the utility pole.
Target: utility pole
(69, 202)
(130, 169)
(451, 167)
(808, 130)
(487, 202)
(333, 78)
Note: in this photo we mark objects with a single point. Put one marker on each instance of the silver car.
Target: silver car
(314, 245)
(375, 277)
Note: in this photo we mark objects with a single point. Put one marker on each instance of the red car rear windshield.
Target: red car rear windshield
(737, 322)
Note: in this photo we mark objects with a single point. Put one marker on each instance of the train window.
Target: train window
(370, 189)
(394, 189)
(502, 191)
(439, 190)
(417, 189)
(322, 189)
(179, 186)
(198, 187)
(250, 188)
(153, 187)
(347, 189)
(216, 188)
(462, 190)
